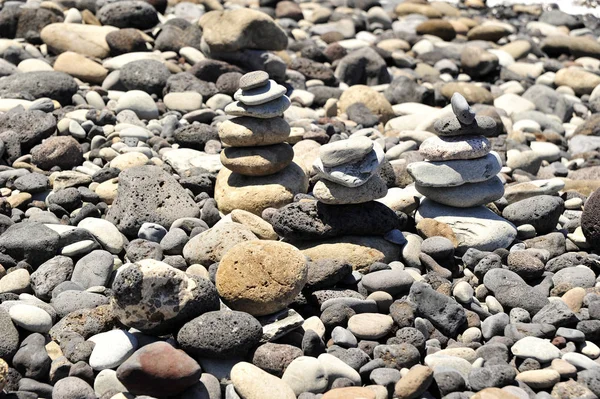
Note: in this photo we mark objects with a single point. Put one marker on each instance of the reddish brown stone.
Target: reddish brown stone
(159, 370)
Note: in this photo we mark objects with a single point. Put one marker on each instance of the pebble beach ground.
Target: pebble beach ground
(277, 200)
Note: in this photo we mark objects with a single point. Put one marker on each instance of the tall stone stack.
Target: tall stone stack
(459, 171)
(459, 177)
(349, 172)
(258, 169)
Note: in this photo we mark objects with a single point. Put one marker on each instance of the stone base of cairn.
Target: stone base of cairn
(258, 170)
(459, 177)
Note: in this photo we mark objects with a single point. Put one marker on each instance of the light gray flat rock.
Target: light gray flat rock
(260, 95)
(267, 110)
(466, 195)
(455, 173)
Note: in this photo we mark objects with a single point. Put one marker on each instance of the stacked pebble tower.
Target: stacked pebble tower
(348, 172)
(256, 140)
(459, 171)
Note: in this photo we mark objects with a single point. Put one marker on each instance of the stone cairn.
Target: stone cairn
(459, 171)
(345, 209)
(348, 172)
(257, 153)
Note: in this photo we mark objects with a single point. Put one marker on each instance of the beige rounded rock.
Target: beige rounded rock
(358, 251)
(493, 393)
(80, 67)
(257, 161)
(350, 393)
(211, 245)
(256, 193)
(86, 39)
(3, 373)
(261, 277)
(370, 325)
(539, 379)
(250, 132)
(250, 382)
(374, 100)
(414, 383)
(128, 160)
(332, 193)
(107, 190)
(260, 227)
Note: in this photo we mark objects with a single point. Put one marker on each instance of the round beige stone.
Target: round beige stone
(80, 67)
(257, 161)
(350, 393)
(261, 228)
(414, 383)
(539, 379)
(3, 373)
(370, 325)
(261, 277)
(107, 190)
(251, 132)
(373, 100)
(129, 160)
(256, 193)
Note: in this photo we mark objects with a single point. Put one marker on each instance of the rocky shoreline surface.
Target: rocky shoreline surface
(269, 199)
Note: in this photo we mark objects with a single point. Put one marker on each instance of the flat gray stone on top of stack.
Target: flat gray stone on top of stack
(460, 170)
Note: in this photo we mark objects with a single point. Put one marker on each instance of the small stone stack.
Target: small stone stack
(349, 172)
(460, 170)
(257, 153)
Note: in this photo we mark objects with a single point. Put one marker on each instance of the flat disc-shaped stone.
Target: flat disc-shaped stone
(253, 79)
(466, 195)
(455, 173)
(333, 193)
(260, 95)
(267, 110)
(476, 227)
(457, 147)
(257, 161)
(250, 132)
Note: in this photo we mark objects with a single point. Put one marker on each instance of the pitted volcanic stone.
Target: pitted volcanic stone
(257, 161)
(40, 84)
(156, 298)
(455, 173)
(253, 79)
(315, 220)
(451, 126)
(542, 212)
(220, 334)
(149, 194)
(23, 130)
(250, 132)
(261, 277)
(455, 147)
